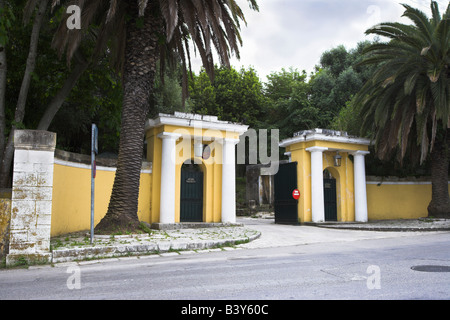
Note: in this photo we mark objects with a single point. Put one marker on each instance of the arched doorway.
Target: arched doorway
(329, 196)
(191, 200)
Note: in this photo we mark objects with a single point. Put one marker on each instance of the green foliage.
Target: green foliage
(290, 108)
(96, 98)
(406, 102)
(7, 19)
(101, 106)
(347, 120)
(335, 60)
(289, 100)
(167, 94)
(233, 96)
(339, 77)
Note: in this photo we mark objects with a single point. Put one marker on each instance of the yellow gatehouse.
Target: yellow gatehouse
(193, 163)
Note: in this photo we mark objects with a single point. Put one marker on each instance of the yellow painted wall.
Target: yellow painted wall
(154, 149)
(71, 207)
(398, 200)
(5, 218)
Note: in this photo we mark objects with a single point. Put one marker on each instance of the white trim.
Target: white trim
(360, 192)
(168, 174)
(88, 166)
(228, 140)
(228, 206)
(323, 137)
(169, 135)
(196, 121)
(289, 155)
(316, 149)
(359, 153)
(400, 182)
(317, 194)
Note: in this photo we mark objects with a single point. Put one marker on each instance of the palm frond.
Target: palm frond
(421, 21)
(408, 96)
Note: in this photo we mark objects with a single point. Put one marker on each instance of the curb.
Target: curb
(101, 252)
(384, 229)
(411, 225)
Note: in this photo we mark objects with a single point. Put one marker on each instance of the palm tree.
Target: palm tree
(137, 33)
(406, 103)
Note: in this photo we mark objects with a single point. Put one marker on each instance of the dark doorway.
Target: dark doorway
(285, 182)
(191, 203)
(329, 195)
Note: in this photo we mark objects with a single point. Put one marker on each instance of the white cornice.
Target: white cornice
(195, 121)
(314, 136)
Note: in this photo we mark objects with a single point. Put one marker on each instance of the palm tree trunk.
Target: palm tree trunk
(440, 201)
(141, 54)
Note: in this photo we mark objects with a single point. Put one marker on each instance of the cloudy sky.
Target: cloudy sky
(294, 33)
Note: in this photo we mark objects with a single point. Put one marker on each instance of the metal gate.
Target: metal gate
(191, 209)
(329, 195)
(285, 181)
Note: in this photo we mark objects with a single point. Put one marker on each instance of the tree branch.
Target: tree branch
(62, 94)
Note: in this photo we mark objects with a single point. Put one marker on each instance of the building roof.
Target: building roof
(324, 135)
(182, 119)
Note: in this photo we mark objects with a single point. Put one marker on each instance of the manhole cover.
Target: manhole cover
(430, 268)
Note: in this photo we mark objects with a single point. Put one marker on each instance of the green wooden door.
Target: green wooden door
(191, 194)
(329, 195)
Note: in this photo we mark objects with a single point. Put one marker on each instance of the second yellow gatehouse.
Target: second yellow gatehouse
(330, 175)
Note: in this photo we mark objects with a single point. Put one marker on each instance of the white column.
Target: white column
(317, 200)
(228, 180)
(167, 203)
(360, 186)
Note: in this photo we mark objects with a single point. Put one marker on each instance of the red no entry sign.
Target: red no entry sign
(296, 194)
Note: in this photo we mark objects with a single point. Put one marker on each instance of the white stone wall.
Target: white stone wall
(31, 201)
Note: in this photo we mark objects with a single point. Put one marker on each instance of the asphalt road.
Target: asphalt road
(371, 266)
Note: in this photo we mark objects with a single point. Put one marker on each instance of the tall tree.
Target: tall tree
(19, 114)
(338, 78)
(290, 108)
(406, 105)
(140, 32)
(24, 76)
(6, 18)
(233, 95)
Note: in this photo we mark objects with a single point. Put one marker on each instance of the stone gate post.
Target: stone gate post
(31, 201)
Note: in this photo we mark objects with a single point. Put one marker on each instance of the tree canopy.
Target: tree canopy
(288, 99)
(405, 106)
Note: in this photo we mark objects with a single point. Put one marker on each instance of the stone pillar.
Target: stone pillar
(228, 180)
(31, 202)
(317, 200)
(360, 186)
(167, 199)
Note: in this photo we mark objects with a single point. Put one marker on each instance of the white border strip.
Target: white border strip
(400, 182)
(88, 166)
(323, 137)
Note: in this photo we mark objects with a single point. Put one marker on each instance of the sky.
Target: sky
(294, 33)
